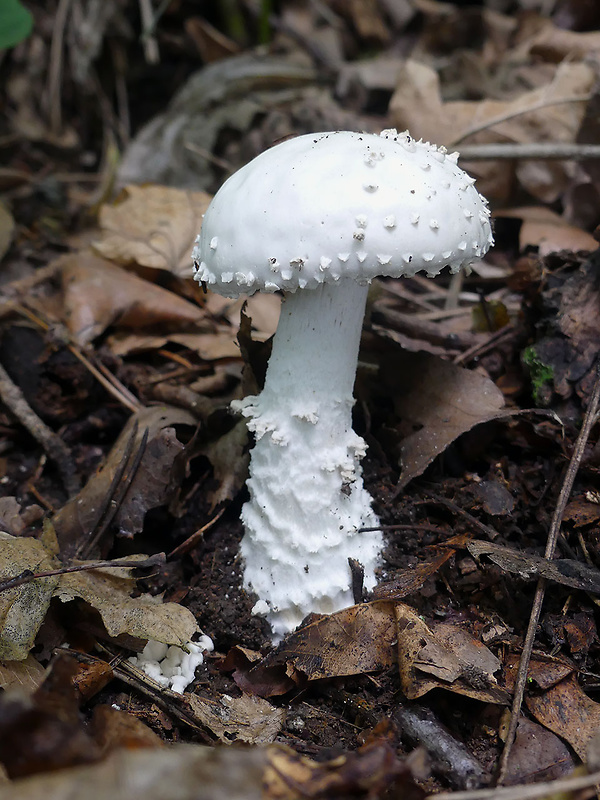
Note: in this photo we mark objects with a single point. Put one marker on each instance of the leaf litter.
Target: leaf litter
(105, 338)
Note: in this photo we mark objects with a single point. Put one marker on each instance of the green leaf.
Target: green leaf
(16, 23)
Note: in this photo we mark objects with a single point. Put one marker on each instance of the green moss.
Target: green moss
(540, 374)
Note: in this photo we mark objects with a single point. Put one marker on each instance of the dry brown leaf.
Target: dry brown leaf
(441, 400)
(547, 230)
(145, 617)
(566, 710)
(209, 346)
(248, 718)
(153, 226)
(417, 105)
(442, 655)
(229, 457)
(24, 675)
(98, 294)
(557, 44)
(154, 774)
(22, 609)
(149, 488)
(537, 755)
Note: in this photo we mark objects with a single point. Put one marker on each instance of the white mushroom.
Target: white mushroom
(302, 203)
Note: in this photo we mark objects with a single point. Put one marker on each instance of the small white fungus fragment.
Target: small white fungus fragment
(383, 260)
(427, 257)
(389, 222)
(370, 187)
(171, 666)
(462, 245)
(361, 255)
(214, 242)
(227, 277)
(361, 221)
(414, 218)
(343, 257)
(434, 224)
(468, 213)
(324, 262)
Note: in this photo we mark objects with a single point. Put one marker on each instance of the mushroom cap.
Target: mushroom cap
(323, 206)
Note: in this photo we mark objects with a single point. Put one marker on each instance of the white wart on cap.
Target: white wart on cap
(321, 206)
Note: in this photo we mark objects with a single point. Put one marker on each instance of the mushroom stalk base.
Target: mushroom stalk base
(307, 499)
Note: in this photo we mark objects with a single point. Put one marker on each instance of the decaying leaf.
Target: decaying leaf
(352, 641)
(442, 655)
(248, 718)
(441, 400)
(150, 486)
(566, 571)
(209, 346)
(537, 755)
(153, 226)
(174, 772)
(372, 769)
(548, 231)
(145, 617)
(22, 609)
(566, 710)
(99, 294)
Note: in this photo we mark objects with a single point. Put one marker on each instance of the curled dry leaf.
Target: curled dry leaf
(98, 294)
(153, 226)
(24, 675)
(22, 609)
(145, 617)
(441, 400)
(442, 655)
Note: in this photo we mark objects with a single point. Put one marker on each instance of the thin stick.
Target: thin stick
(27, 576)
(490, 123)
(558, 788)
(193, 540)
(558, 151)
(55, 69)
(572, 469)
(53, 445)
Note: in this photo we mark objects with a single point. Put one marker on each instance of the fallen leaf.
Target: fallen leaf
(22, 609)
(26, 675)
(145, 617)
(548, 231)
(373, 770)
(209, 346)
(229, 457)
(149, 488)
(153, 226)
(442, 655)
(176, 772)
(98, 294)
(112, 728)
(352, 641)
(441, 401)
(248, 718)
(566, 571)
(566, 710)
(536, 755)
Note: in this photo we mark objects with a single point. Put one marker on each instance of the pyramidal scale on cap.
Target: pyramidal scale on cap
(318, 217)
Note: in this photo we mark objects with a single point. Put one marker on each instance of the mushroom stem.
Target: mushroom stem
(307, 499)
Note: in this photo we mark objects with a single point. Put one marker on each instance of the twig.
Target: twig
(490, 123)
(469, 518)
(53, 445)
(103, 375)
(193, 540)
(559, 788)
(55, 68)
(481, 348)
(150, 44)
(562, 151)
(572, 469)
(27, 576)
